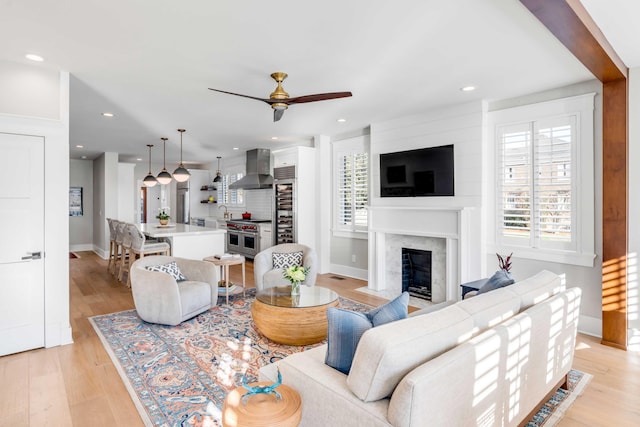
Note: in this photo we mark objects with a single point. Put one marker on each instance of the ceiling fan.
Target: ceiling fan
(280, 101)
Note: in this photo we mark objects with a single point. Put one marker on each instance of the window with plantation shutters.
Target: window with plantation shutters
(535, 182)
(351, 177)
(227, 196)
(544, 195)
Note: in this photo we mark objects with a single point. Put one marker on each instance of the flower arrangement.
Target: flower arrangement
(296, 275)
(163, 213)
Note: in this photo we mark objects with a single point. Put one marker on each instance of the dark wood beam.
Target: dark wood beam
(570, 23)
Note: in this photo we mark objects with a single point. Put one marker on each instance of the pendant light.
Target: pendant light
(150, 180)
(181, 174)
(164, 177)
(218, 177)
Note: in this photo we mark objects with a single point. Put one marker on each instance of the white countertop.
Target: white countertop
(172, 230)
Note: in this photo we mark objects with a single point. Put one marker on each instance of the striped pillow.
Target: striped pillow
(345, 328)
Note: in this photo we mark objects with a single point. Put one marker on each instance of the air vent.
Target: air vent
(284, 172)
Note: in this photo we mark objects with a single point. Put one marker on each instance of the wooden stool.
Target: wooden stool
(262, 410)
(224, 272)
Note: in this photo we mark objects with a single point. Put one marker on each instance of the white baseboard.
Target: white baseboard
(590, 326)
(633, 340)
(100, 252)
(80, 248)
(56, 335)
(344, 270)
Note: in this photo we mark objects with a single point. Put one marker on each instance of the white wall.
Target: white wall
(81, 227)
(587, 278)
(460, 125)
(105, 200)
(633, 291)
(19, 119)
(126, 192)
(30, 91)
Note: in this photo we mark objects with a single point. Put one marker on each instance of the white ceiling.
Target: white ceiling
(151, 62)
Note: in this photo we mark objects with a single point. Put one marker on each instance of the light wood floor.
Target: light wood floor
(78, 385)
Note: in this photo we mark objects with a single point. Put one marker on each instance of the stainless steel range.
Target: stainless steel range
(243, 236)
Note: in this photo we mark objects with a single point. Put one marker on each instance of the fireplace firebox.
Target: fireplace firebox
(416, 273)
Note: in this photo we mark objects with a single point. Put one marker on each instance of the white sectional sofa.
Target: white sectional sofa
(486, 361)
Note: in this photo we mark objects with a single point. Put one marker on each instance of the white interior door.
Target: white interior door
(22, 234)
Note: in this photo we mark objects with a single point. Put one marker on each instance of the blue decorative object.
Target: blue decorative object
(345, 328)
(261, 389)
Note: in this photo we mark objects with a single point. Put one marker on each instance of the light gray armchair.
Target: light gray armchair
(159, 298)
(267, 277)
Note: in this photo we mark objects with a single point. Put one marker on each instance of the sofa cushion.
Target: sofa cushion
(345, 328)
(286, 260)
(490, 309)
(387, 353)
(537, 288)
(500, 279)
(171, 269)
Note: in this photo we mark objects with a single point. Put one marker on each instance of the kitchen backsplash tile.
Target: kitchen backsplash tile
(259, 203)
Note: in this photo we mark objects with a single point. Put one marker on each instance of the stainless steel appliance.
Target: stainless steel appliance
(243, 236)
(182, 203)
(285, 210)
(258, 165)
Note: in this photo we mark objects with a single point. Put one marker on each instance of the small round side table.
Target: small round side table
(224, 272)
(262, 410)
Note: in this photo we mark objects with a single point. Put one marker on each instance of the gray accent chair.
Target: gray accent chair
(267, 277)
(160, 299)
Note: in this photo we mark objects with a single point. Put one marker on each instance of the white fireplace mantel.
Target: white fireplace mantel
(452, 224)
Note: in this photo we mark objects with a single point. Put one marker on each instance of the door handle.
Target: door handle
(33, 255)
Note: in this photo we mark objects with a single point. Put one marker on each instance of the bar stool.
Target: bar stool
(119, 229)
(139, 247)
(125, 252)
(113, 246)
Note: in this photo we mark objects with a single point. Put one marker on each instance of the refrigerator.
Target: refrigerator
(182, 203)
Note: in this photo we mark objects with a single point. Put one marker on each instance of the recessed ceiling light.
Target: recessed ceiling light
(107, 114)
(84, 157)
(341, 120)
(34, 57)
(79, 146)
(139, 159)
(467, 88)
(235, 148)
(274, 137)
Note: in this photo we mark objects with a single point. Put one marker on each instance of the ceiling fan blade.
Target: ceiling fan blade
(277, 115)
(318, 97)
(268, 101)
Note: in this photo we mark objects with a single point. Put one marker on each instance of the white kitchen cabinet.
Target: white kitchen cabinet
(266, 236)
(304, 159)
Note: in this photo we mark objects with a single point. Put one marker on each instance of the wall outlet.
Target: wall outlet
(353, 258)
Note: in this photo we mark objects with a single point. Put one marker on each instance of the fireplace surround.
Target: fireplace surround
(446, 231)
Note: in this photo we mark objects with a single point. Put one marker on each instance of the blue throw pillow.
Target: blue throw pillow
(345, 328)
(500, 279)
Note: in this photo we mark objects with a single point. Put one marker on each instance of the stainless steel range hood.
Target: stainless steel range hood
(258, 168)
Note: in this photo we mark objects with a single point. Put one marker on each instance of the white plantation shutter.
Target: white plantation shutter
(554, 148)
(351, 172)
(535, 184)
(227, 196)
(515, 213)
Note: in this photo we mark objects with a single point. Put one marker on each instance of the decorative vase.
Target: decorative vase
(295, 288)
(164, 221)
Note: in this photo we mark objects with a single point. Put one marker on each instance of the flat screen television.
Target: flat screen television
(426, 172)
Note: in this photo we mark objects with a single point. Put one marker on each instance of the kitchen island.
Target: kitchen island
(188, 241)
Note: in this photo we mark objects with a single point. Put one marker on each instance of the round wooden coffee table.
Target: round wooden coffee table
(298, 320)
(262, 410)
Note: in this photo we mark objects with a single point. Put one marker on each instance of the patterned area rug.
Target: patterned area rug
(180, 375)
